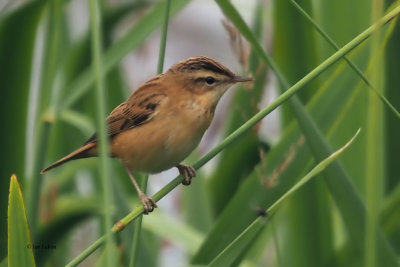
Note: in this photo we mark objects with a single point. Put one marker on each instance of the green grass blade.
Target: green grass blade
(285, 53)
(230, 254)
(392, 127)
(138, 228)
(374, 151)
(196, 205)
(307, 213)
(390, 216)
(17, 41)
(163, 42)
(105, 172)
(135, 242)
(351, 64)
(53, 46)
(237, 247)
(20, 247)
(143, 186)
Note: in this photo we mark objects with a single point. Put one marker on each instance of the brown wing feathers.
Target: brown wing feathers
(131, 113)
(136, 110)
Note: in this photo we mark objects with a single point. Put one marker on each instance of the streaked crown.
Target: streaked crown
(202, 63)
(206, 69)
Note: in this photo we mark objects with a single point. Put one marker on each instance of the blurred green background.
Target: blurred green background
(349, 216)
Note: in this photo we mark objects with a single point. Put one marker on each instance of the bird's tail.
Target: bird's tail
(81, 152)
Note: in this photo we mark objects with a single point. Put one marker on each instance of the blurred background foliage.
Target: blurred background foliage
(48, 108)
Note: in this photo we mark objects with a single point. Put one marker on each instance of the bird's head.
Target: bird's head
(204, 76)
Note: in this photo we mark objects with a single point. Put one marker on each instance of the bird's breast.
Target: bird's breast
(191, 122)
(166, 140)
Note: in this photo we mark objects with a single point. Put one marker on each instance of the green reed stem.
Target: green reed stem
(42, 130)
(374, 175)
(138, 228)
(143, 186)
(96, 39)
(163, 42)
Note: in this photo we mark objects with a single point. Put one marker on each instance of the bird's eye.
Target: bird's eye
(210, 80)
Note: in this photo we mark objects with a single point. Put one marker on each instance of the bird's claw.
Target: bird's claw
(148, 203)
(188, 172)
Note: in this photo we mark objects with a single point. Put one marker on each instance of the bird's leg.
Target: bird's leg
(148, 203)
(188, 172)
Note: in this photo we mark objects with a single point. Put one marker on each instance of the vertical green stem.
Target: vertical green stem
(143, 186)
(275, 239)
(41, 132)
(163, 41)
(138, 228)
(95, 24)
(374, 150)
(36, 185)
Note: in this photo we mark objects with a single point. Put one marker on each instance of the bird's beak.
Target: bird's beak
(238, 79)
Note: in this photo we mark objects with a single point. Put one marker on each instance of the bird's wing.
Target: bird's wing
(140, 108)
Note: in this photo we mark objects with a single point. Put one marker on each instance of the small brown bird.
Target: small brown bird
(163, 121)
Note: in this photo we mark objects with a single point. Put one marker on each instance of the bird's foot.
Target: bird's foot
(148, 203)
(188, 172)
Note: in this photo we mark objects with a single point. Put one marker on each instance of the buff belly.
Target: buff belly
(153, 150)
